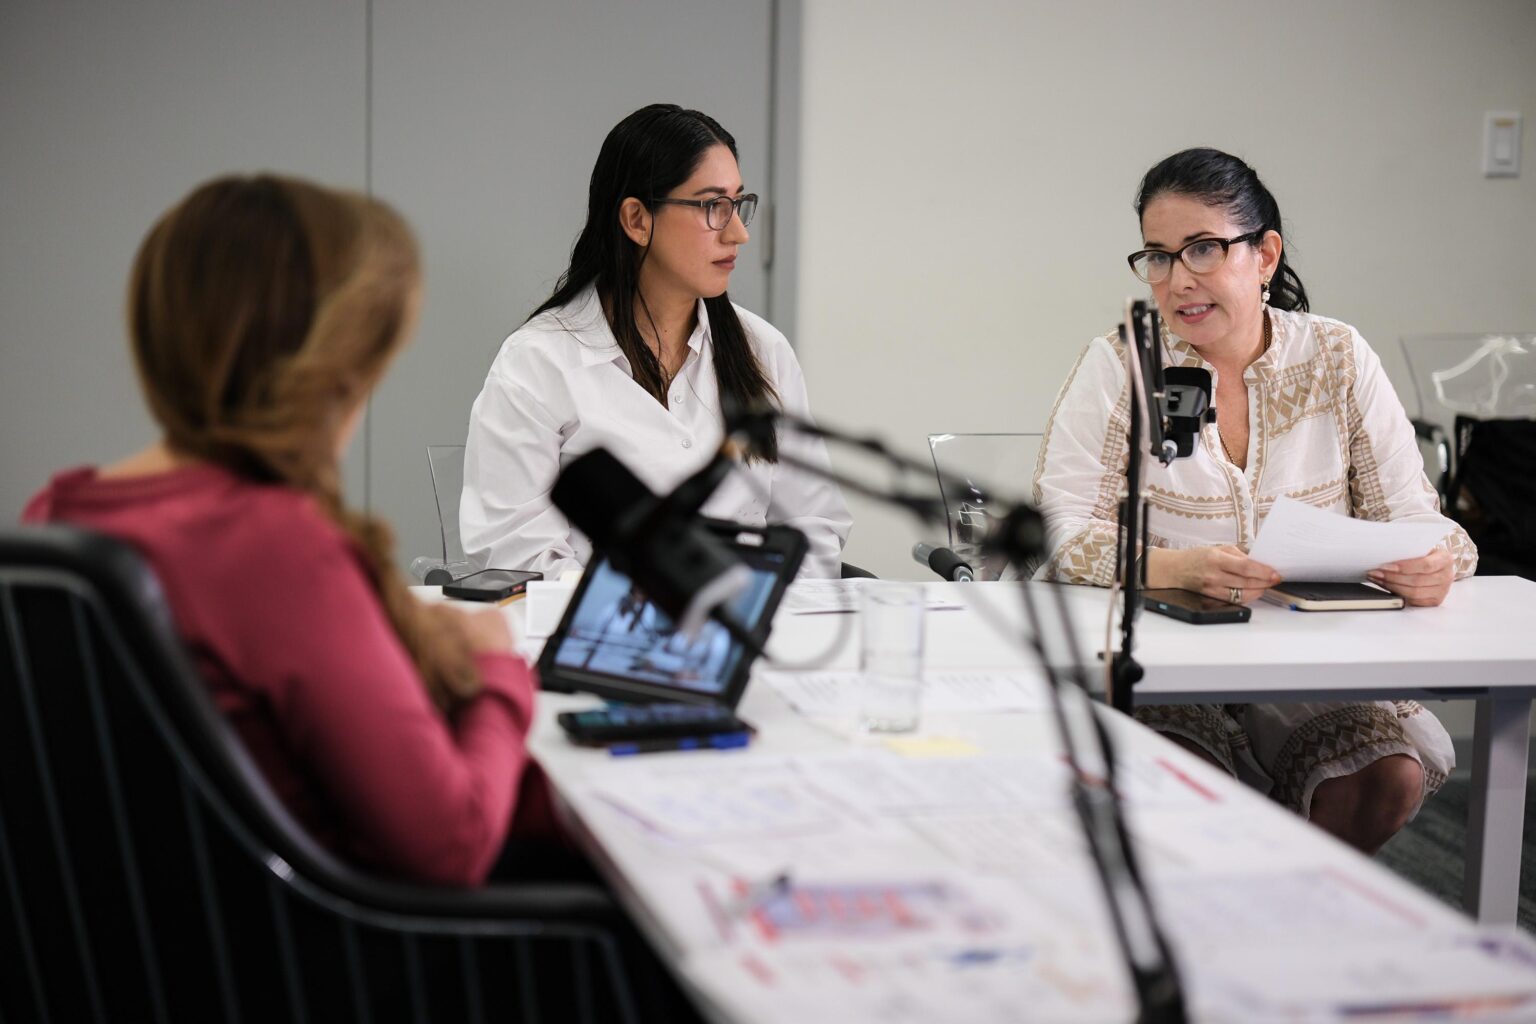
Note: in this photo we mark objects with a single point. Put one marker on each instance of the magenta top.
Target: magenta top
(275, 606)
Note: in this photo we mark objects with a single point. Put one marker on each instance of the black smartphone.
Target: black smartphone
(1188, 606)
(602, 726)
(490, 584)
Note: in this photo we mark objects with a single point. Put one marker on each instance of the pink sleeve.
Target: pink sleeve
(428, 798)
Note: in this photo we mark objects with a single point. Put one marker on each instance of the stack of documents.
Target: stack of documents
(1302, 542)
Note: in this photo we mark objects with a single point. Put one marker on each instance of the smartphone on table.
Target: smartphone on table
(1188, 606)
(619, 722)
(490, 584)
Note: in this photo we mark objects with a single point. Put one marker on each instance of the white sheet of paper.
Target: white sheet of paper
(916, 981)
(821, 597)
(1302, 542)
(1397, 976)
(837, 693)
(714, 800)
(879, 782)
(546, 602)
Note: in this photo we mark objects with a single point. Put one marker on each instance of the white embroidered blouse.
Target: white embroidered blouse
(1325, 427)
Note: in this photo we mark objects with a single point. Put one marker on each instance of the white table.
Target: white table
(664, 882)
(1479, 645)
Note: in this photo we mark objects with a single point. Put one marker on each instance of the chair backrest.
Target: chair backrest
(148, 872)
(985, 467)
(1483, 388)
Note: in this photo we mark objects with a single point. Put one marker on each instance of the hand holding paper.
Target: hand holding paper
(1419, 581)
(1305, 543)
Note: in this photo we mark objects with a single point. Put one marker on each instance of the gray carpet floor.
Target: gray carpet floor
(1430, 852)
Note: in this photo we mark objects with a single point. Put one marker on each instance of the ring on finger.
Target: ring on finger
(1234, 595)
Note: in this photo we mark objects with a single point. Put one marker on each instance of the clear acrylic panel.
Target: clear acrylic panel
(1484, 376)
(993, 468)
(445, 463)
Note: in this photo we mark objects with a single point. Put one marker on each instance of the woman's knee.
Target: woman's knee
(1372, 805)
(1393, 788)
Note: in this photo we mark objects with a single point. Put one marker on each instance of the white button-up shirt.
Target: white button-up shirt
(561, 386)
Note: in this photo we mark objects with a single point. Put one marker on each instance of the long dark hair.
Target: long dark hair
(646, 155)
(261, 311)
(1221, 179)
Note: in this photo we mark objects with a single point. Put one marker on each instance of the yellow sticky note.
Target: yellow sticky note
(932, 746)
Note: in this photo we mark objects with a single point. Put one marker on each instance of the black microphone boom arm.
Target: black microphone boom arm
(1020, 535)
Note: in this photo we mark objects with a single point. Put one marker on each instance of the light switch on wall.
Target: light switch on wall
(1501, 144)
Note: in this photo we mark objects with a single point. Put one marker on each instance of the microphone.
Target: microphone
(1186, 405)
(944, 562)
(685, 571)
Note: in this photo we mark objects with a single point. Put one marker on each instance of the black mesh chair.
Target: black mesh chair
(147, 873)
(1483, 386)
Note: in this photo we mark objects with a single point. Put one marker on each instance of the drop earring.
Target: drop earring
(1264, 297)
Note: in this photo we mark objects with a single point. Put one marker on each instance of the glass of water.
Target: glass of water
(891, 656)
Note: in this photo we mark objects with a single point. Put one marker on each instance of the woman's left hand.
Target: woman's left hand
(1418, 581)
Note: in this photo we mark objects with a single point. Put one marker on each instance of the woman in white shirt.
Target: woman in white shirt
(634, 352)
(1303, 410)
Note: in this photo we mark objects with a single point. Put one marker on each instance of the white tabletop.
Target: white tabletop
(1483, 638)
(1272, 919)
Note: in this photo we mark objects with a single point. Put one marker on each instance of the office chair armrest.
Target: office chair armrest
(1444, 455)
(547, 902)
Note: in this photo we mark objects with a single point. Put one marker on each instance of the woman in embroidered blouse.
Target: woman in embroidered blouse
(637, 351)
(1303, 410)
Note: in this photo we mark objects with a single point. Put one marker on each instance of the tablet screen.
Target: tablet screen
(615, 631)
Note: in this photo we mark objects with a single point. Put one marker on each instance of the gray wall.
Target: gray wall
(108, 114)
(479, 120)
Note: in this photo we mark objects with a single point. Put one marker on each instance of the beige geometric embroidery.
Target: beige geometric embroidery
(1324, 496)
(1463, 552)
(1367, 500)
(1050, 424)
(1296, 394)
(1180, 352)
(1207, 725)
(1087, 558)
(1333, 736)
(1190, 506)
(1116, 450)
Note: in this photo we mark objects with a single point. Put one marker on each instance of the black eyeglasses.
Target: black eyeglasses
(1202, 256)
(717, 211)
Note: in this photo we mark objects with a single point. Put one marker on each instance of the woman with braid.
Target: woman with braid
(262, 312)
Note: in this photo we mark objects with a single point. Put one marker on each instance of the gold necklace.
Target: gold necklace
(1268, 337)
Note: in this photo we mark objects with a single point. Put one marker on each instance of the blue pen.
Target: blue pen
(717, 741)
